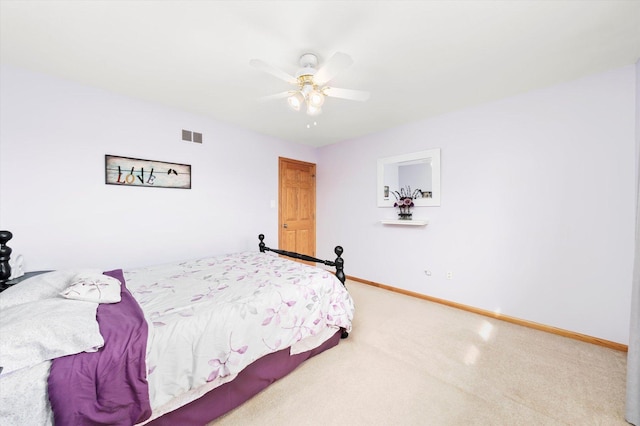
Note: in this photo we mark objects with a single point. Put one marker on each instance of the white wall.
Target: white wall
(537, 213)
(54, 135)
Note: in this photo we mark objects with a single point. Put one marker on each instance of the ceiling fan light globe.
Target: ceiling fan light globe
(316, 98)
(295, 101)
(313, 110)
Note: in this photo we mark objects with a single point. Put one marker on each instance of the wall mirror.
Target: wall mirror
(418, 170)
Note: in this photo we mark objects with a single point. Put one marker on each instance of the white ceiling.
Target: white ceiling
(416, 58)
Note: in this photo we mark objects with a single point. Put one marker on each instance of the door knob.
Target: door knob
(285, 225)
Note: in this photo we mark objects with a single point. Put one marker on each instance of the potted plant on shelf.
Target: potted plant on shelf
(404, 201)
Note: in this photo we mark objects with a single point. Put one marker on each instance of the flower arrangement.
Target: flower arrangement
(404, 201)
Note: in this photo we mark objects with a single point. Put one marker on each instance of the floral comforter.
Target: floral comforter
(210, 318)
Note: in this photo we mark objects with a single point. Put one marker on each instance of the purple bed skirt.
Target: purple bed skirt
(250, 381)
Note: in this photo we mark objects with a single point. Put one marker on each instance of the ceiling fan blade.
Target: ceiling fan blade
(276, 72)
(332, 67)
(280, 95)
(353, 95)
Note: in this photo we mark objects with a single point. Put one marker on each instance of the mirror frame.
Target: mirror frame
(433, 155)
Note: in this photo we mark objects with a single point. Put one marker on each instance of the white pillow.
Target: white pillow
(93, 287)
(39, 287)
(46, 329)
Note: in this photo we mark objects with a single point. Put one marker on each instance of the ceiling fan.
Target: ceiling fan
(310, 82)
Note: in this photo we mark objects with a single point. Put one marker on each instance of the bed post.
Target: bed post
(262, 245)
(339, 264)
(5, 255)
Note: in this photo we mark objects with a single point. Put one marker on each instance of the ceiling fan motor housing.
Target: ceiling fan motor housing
(308, 62)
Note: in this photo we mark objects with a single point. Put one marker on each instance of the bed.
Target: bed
(179, 343)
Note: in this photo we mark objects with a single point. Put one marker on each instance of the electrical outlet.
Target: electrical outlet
(449, 275)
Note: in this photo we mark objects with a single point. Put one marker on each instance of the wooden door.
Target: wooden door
(297, 206)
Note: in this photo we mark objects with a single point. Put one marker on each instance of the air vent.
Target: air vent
(189, 136)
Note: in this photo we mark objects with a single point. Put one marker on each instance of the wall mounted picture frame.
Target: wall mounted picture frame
(126, 171)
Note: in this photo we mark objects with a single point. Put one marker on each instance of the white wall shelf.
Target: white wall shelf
(413, 222)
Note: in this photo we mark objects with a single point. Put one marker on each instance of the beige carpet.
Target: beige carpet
(413, 362)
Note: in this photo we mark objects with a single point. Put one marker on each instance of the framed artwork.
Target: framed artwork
(127, 171)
